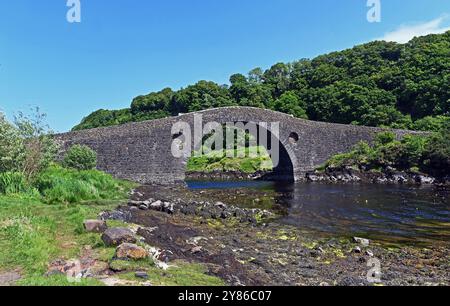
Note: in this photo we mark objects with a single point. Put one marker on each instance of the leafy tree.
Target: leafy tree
(289, 103)
(152, 102)
(102, 118)
(277, 78)
(430, 123)
(200, 96)
(379, 84)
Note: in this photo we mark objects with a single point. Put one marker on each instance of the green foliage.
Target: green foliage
(80, 157)
(26, 146)
(12, 148)
(247, 160)
(377, 84)
(430, 123)
(430, 154)
(384, 138)
(59, 185)
(102, 118)
(437, 152)
(242, 155)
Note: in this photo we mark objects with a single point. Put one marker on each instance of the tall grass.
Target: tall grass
(12, 183)
(60, 185)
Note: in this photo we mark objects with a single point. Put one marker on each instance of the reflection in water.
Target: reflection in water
(381, 212)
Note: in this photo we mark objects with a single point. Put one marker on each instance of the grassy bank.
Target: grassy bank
(246, 160)
(42, 221)
(33, 234)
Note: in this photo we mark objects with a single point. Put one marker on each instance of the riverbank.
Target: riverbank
(387, 176)
(226, 175)
(331, 175)
(242, 252)
(200, 237)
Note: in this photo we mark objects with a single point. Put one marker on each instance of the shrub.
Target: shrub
(39, 148)
(80, 157)
(412, 149)
(26, 146)
(384, 138)
(429, 123)
(437, 152)
(11, 146)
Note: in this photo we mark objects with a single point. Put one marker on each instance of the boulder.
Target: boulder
(131, 251)
(95, 226)
(357, 250)
(158, 205)
(143, 207)
(361, 241)
(117, 236)
(421, 179)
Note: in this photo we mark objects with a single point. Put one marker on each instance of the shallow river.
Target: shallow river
(393, 214)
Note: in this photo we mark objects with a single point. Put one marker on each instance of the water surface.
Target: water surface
(389, 213)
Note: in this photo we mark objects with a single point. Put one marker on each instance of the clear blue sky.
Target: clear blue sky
(122, 49)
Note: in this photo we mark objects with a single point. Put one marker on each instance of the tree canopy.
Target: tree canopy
(375, 84)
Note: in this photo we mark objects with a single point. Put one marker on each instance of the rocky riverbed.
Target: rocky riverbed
(244, 245)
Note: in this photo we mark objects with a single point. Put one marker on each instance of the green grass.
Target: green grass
(60, 185)
(32, 234)
(182, 274)
(136, 265)
(57, 281)
(38, 227)
(12, 183)
(247, 160)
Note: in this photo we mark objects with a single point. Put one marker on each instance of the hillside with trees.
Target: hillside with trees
(376, 84)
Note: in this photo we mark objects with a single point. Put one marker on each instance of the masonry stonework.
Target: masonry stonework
(141, 152)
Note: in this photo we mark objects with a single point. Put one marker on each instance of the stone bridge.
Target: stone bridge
(142, 152)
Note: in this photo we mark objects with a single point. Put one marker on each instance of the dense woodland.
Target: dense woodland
(376, 84)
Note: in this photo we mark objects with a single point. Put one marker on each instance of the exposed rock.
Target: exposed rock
(142, 275)
(134, 203)
(95, 226)
(117, 236)
(9, 278)
(196, 249)
(357, 250)
(425, 180)
(156, 205)
(98, 268)
(131, 251)
(118, 215)
(361, 241)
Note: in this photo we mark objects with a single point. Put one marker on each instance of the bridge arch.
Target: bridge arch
(265, 134)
